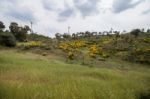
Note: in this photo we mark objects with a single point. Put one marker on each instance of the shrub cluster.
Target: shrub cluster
(31, 44)
(72, 49)
(7, 39)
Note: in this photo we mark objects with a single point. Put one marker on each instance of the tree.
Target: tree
(27, 28)
(2, 26)
(148, 30)
(73, 35)
(66, 36)
(142, 30)
(19, 32)
(58, 36)
(117, 34)
(87, 34)
(22, 33)
(135, 32)
(14, 28)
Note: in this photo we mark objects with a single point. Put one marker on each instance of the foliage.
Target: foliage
(66, 36)
(31, 44)
(130, 46)
(141, 55)
(58, 36)
(77, 44)
(32, 76)
(7, 39)
(71, 45)
(93, 51)
(2, 26)
(70, 56)
(19, 32)
(72, 48)
(38, 37)
(64, 46)
(135, 32)
(146, 40)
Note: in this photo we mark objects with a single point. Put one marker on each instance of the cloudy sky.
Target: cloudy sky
(51, 16)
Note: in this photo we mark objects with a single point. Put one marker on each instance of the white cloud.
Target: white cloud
(51, 16)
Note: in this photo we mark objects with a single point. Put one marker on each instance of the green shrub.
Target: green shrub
(141, 55)
(135, 32)
(7, 39)
(70, 56)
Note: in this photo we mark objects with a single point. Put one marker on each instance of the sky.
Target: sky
(55, 16)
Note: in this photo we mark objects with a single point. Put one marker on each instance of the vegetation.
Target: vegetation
(84, 65)
(2, 26)
(19, 32)
(31, 76)
(133, 47)
(135, 32)
(7, 39)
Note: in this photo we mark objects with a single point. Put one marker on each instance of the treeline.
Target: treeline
(15, 33)
(88, 34)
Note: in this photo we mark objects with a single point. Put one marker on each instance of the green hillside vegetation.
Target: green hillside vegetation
(25, 75)
(84, 65)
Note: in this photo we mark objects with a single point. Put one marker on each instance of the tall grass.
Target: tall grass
(31, 76)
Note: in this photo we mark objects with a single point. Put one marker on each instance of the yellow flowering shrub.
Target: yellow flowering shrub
(30, 44)
(77, 44)
(93, 51)
(34, 43)
(63, 46)
(72, 48)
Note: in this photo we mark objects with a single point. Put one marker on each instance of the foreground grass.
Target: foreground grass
(31, 76)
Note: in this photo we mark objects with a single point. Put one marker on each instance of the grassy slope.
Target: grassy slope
(31, 76)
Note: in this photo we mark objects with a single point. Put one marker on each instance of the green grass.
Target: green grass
(31, 76)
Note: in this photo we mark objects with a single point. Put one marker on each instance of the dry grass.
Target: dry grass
(31, 76)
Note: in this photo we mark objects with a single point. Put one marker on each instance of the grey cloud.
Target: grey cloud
(23, 15)
(64, 15)
(12, 9)
(47, 5)
(146, 11)
(87, 8)
(122, 5)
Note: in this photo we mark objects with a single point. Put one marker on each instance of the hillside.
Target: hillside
(91, 49)
(24, 75)
(75, 49)
(85, 65)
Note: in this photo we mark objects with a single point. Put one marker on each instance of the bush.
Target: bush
(7, 39)
(135, 32)
(93, 51)
(70, 56)
(141, 55)
(31, 44)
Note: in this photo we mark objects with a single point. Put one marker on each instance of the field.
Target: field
(24, 75)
